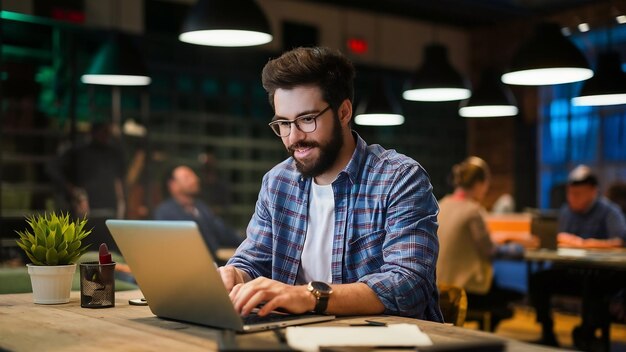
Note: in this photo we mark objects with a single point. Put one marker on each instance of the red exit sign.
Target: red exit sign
(68, 15)
(357, 45)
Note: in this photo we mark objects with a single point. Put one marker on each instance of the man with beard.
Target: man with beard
(184, 186)
(340, 227)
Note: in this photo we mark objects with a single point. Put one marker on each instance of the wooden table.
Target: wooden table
(25, 326)
(588, 264)
(614, 259)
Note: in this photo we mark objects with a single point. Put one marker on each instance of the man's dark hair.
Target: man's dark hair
(326, 68)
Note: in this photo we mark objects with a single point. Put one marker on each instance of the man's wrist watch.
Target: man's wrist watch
(321, 291)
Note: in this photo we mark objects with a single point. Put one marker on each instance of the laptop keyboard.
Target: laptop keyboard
(253, 318)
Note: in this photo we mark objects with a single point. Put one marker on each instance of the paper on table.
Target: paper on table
(571, 252)
(312, 338)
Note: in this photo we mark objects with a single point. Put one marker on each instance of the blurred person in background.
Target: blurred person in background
(466, 250)
(91, 175)
(587, 220)
(184, 187)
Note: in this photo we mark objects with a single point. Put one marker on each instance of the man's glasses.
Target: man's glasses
(305, 123)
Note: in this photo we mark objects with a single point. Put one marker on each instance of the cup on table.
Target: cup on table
(97, 285)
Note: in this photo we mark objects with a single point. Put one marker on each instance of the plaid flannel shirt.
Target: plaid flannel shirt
(385, 229)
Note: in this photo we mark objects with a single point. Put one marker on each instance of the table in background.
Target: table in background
(590, 262)
(25, 326)
(612, 259)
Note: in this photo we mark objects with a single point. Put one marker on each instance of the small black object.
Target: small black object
(370, 323)
(97, 285)
(280, 335)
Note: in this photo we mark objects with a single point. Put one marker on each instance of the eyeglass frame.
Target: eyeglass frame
(296, 122)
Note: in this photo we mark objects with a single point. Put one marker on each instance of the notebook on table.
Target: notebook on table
(177, 275)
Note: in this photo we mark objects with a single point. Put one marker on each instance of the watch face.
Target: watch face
(321, 286)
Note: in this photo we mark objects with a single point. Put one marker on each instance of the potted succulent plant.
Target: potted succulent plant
(53, 244)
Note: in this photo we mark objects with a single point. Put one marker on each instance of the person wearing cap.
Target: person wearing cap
(587, 220)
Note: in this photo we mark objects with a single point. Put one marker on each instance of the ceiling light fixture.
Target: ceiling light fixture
(548, 58)
(379, 107)
(226, 23)
(608, 85)
(583, 27)
(566, 31)
(117, 63)
(436, 79)
(490, 99)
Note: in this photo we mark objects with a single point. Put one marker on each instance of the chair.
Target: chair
(483, 317)
(453, 304)
(488, 318)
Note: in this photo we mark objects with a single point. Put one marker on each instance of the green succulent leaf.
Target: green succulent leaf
(23, 246)
(53, 239)
(33, 259)
(40, 253)
(40, 234)
(68, 234)
(62, 257)
(58, 239)
(74, 246)
(51, 256)
(61, 246)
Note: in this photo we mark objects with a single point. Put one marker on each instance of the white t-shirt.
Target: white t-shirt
(318, 245)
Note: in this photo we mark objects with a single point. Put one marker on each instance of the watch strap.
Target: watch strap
(321, 303)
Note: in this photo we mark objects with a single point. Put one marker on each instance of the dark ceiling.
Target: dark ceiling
(463, 13)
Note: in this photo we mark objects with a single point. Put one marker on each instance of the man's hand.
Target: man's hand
(232, 276)
(569, 240)
(294, 299)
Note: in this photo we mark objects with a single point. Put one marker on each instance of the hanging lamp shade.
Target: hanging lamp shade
(379, 107)
(491, 99)
(117, 63)
(547, 58)
(226, 23)
(608, 84)
(436, 79)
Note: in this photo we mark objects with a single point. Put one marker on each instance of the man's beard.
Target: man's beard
(328, 153)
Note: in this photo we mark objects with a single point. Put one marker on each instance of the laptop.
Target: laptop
(545, 226)
(178, 277)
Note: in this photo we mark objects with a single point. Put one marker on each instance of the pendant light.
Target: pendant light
(491, 99)
(117, 63)
(226, 23)
(608, 85)
(547, 58)
(379, 107)
(436, 79)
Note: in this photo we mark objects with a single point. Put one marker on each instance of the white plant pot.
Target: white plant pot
(51, 284)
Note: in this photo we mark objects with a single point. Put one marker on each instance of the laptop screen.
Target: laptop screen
(545, 226)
